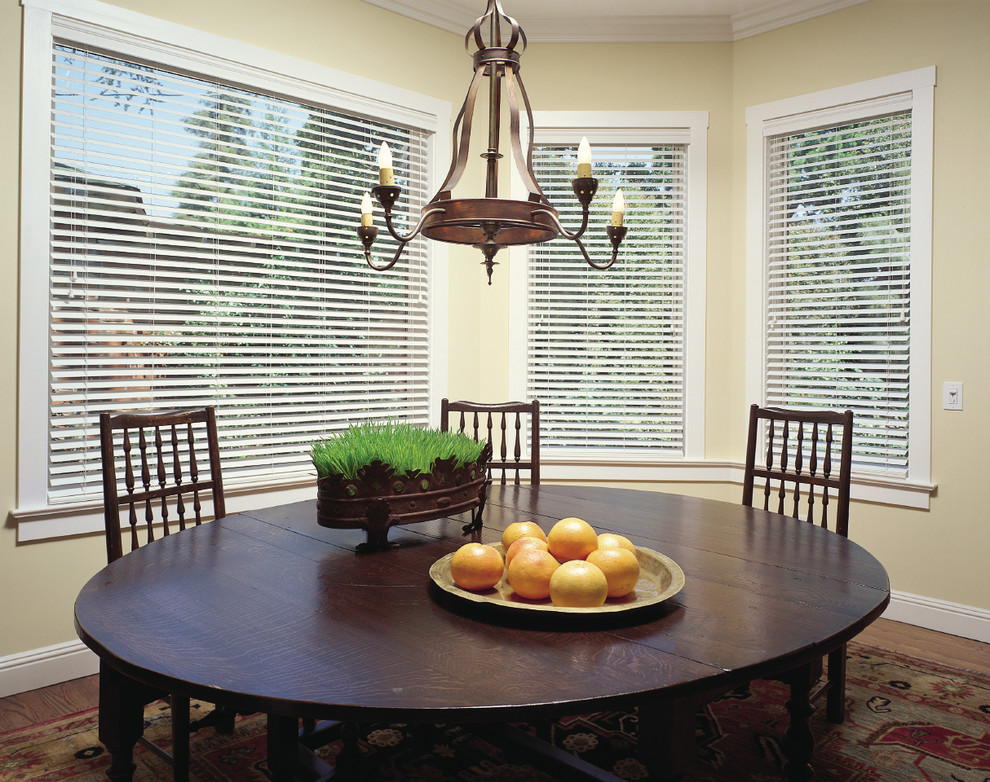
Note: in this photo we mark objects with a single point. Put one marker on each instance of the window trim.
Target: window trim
(914, 90)
(174, 45)
(656, 127)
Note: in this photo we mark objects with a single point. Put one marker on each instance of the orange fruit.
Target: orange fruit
(476, 566)
(520, 544)
(613, 540)
(572, 538)
(521, 529)
(530, 572)
(621, 569)
(578, 584)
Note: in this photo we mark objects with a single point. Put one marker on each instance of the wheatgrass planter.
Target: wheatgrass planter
(376, 496)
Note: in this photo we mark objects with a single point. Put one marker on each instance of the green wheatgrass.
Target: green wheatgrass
(404, 447)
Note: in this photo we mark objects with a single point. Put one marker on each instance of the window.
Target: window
(842, 268)
(199, 230)
(616, 357)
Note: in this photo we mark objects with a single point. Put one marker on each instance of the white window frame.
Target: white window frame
(643, 127)
(914, 90)
(123, 31)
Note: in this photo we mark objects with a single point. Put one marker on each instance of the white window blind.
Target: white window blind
(203, 251)
(838, 279)
(606, 349)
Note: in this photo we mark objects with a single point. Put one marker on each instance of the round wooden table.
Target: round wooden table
(269, 612)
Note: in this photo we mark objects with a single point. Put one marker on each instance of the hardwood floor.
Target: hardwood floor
(928, 645)
(18, 711)
(28, 708)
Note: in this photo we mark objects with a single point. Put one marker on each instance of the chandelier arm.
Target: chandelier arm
(574, 237)
(526, 172)
(475, 30)
(516, 29)
(495, 11)
(387, 266)
(600, 266)
(459, 160)
(416, 229)
(529, 118)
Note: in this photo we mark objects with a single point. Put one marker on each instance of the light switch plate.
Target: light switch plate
(952, 396)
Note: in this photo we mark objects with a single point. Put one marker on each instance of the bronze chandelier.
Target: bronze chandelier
(491, 223)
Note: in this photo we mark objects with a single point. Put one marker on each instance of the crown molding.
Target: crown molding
(625, 29)
(783, 14)
(616, 27)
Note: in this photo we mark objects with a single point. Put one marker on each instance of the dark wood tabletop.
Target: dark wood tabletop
(267, 611)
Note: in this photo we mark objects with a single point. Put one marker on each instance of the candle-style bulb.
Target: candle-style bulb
(386, 176)
(584, 158)
(618, 208)
(366, 208)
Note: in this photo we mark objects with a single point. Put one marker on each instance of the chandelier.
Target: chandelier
(491, 223)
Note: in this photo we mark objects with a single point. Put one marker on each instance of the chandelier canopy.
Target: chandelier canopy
(491, 223)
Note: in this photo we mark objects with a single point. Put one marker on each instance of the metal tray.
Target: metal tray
(659, 579)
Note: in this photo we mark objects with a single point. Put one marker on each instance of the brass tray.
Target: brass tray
(659, 578)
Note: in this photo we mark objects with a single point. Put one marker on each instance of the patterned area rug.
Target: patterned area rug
(907, 719)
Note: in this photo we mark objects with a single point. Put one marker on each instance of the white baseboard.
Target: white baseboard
(940, 615)
(47, 666)
(62, 662)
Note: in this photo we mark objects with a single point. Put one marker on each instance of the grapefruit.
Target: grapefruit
(571, 538)
(521, 529)
(476, 566)
(519, 544)
(578, 584)
(612, 540)
(530, 572)
(621, 569)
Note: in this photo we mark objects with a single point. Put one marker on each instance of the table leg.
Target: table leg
(121, 721)
(799, 743)
(666, 737)
(836, 703)
(283, 741)
(180, 737)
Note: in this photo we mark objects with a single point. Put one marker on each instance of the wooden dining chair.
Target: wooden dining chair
(169, 463)
(502, 425)
(805, 472)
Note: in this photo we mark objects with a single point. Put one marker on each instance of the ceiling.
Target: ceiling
(624, 20)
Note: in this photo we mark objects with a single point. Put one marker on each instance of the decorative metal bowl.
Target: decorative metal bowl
(380, 497)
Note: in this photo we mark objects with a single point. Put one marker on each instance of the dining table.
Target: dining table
(268, 611)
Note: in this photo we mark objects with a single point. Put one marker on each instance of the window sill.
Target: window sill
(886, 491)
(85, 518)
(36, 524)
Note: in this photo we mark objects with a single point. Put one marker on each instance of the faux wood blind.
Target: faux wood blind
(203, 250)
(838, 279)
(606, 348)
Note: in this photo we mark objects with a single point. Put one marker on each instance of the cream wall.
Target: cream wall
(938, 554)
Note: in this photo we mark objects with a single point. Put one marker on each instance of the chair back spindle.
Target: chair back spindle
(498, 431)
(798, 466)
